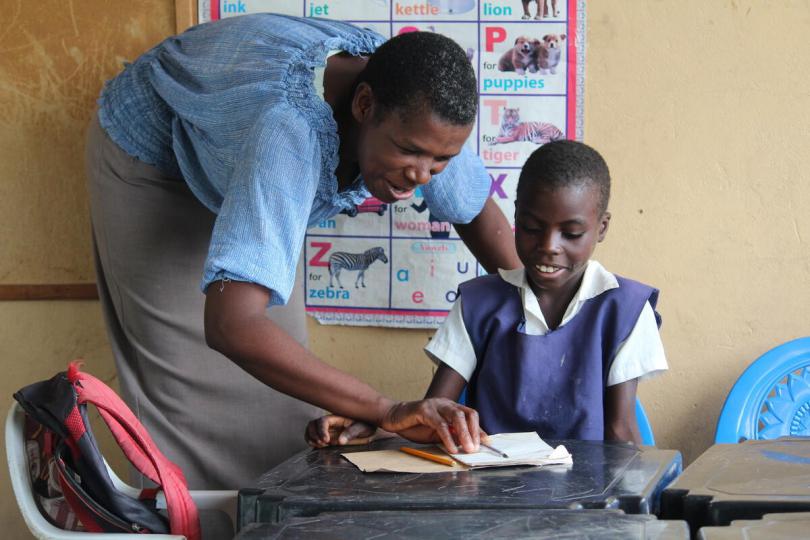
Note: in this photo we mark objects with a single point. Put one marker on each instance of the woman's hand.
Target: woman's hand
(335, 430)
(435, 420)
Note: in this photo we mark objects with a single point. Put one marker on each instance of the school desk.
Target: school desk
(603, 475)
(741, 481)
(771, 526)
(468, 524)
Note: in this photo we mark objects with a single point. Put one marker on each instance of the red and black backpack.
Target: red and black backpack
(70, 479)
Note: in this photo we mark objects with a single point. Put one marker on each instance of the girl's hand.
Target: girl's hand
(334, 430)
(435, 420)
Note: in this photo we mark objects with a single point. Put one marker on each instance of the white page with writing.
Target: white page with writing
(522, 448)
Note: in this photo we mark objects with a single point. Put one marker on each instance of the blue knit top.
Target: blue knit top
(230, 107)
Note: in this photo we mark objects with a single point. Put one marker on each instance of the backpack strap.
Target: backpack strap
(74, 462)
(140, 449)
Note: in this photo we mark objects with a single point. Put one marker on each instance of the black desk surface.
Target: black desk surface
(770, 527)
(741, 481)
(604, 475)
(470, 524)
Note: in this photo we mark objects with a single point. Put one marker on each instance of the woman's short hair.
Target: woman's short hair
(418, 71)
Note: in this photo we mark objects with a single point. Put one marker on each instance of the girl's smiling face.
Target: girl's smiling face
(556, 231)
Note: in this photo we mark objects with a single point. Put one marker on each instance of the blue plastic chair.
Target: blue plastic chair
(771, 398)
(644, 427)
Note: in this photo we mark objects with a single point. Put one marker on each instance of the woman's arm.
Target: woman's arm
(490, 238)
(333, 429)
(446, 383)
(620, 412)
(236, 326)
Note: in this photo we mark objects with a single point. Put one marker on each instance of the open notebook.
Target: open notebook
(522, 449)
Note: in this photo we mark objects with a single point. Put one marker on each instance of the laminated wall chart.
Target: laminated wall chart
(394, 264)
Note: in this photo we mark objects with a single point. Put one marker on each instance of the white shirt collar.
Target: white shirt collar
(595, 281)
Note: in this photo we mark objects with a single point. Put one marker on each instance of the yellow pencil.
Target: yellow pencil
(427, 455)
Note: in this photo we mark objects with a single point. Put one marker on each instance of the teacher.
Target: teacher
(208, 158)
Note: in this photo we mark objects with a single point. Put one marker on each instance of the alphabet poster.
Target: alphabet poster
(395, 264)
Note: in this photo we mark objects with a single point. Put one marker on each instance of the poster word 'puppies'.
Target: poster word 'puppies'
(397, 264)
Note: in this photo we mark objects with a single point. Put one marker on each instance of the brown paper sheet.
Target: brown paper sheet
(396, 461)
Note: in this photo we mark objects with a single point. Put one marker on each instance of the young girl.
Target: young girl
(555, 347)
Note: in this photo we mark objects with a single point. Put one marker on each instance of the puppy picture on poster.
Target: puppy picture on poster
(523, 59)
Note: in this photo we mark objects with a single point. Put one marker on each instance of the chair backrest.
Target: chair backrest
(23, 492)
(644, 427)
(771, 398)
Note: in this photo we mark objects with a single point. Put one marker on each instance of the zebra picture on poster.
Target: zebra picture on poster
(406, 261)
(340, 260)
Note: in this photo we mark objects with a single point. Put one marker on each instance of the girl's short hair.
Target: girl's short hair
(562, 164)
